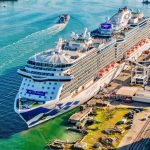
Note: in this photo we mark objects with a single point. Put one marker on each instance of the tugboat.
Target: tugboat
(63, 19)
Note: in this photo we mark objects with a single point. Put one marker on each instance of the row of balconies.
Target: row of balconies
(76, 83)
(42, 77)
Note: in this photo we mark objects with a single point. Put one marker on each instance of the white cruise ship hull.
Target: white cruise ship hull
(48, 111)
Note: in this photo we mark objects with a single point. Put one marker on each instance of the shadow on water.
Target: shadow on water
(10, 122)
(143, 144)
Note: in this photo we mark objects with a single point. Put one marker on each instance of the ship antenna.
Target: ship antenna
(85, 32)
(89, 35)
(107, 19)
(59, 45)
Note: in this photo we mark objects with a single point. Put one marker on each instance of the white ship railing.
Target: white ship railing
(33, 76)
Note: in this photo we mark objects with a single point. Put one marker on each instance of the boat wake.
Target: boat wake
(16, 50)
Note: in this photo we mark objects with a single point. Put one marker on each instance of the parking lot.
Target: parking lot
(136, 133)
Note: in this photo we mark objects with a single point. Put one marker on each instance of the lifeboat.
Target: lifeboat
(136, 47)
(108, 66)
(128, 53)
(106, 69)
(101, 73)
(144, 40)
(140, 44)
(113, 64)
(132, 50)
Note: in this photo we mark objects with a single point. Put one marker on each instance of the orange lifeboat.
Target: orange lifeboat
(132, 50)
(144, 40)
(140, 44)
(128, 53)
(136, 47)
(108, 66)
(113, 64)
(106, 69)
(101, 73)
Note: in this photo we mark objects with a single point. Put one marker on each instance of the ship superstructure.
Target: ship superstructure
(59, 79)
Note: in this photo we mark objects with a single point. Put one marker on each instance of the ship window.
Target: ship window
(32, 85)
(48, 87)
(44, 96)
(42, 87)
(28, 84)
(24, 84)
(55, 83)
(50, 97)
(39, 96)
(22, 88)
(44, 82)
(52, 93)
(54, 88)
(50, 83)
(20, 92)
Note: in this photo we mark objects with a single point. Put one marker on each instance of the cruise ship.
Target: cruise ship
(60, 79)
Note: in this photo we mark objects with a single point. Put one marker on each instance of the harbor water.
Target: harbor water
(28, 27)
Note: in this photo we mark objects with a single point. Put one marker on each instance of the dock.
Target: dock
(80, 115)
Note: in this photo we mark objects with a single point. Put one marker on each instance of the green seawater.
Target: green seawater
(36, 138)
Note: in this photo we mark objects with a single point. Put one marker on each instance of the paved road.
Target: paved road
(142, 141)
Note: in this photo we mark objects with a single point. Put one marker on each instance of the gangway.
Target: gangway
(146, 63)
(133, 63)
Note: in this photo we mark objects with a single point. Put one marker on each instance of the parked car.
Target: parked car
(130, 116)
(137, 110)
(141, 109)
(144, 119)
